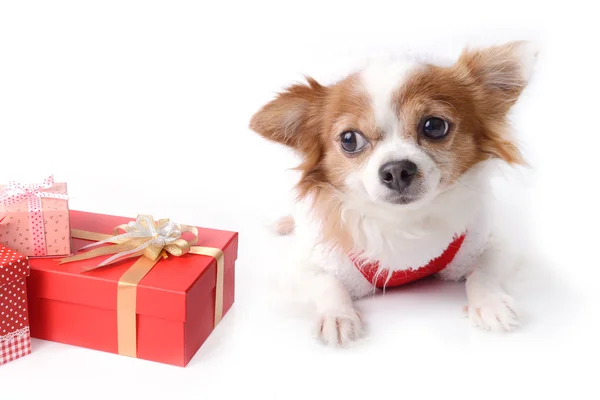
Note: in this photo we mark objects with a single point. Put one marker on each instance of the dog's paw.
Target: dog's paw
(495, 312)
(340, 329)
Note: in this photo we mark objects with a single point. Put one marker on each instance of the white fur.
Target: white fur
(381, 79)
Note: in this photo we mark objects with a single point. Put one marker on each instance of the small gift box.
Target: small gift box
(156, 291)
(15, 341)
(34, 218)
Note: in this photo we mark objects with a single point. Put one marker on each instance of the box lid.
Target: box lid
(161, 293)
(13, 265)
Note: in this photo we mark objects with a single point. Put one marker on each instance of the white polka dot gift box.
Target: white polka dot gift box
(15, 340)
(34, 218)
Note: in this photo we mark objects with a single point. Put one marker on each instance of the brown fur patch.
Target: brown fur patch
(310, 119)
(474, 99)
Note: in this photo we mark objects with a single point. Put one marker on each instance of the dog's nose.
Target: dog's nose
(398, 175)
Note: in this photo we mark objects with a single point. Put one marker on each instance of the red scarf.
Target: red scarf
(410, 275)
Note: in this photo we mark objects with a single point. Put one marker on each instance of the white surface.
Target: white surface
(142, 107)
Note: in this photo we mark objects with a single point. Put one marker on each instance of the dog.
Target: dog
(397, 159)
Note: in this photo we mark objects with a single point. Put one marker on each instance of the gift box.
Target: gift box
(34, 218)
(15, 340)
(156, 293)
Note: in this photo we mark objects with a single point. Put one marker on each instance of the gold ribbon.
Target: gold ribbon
(165, 238)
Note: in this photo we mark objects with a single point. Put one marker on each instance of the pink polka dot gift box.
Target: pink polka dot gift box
(15, 340)
(34, 218)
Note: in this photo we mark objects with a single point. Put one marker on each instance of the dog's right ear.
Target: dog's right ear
(294, 118)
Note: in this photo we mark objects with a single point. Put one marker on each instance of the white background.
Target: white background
(142, 107)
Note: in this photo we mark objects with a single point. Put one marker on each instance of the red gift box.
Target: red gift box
(15, 340)
(176, 305)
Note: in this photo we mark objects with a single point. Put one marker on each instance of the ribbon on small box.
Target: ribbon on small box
(149, 240)
(16, 192)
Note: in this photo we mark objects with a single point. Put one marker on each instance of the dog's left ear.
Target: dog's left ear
(502, 72)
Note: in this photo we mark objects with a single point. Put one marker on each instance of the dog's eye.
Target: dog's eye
(435, 128)
(353, 142)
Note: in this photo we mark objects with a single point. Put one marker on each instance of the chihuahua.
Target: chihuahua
(395, 185)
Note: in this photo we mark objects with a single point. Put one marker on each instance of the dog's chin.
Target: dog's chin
(402, 199)
(407, 200)
(412, 199)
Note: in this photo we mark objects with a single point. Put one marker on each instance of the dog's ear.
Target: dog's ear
(294, 118)
(502, 72)
(498, 75)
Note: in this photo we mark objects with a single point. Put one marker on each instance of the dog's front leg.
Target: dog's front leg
(338, 322)
(490, 306)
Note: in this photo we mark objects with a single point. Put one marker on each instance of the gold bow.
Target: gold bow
(144, 237)
(148, 240)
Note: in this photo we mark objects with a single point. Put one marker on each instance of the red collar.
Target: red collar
(410, 275)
